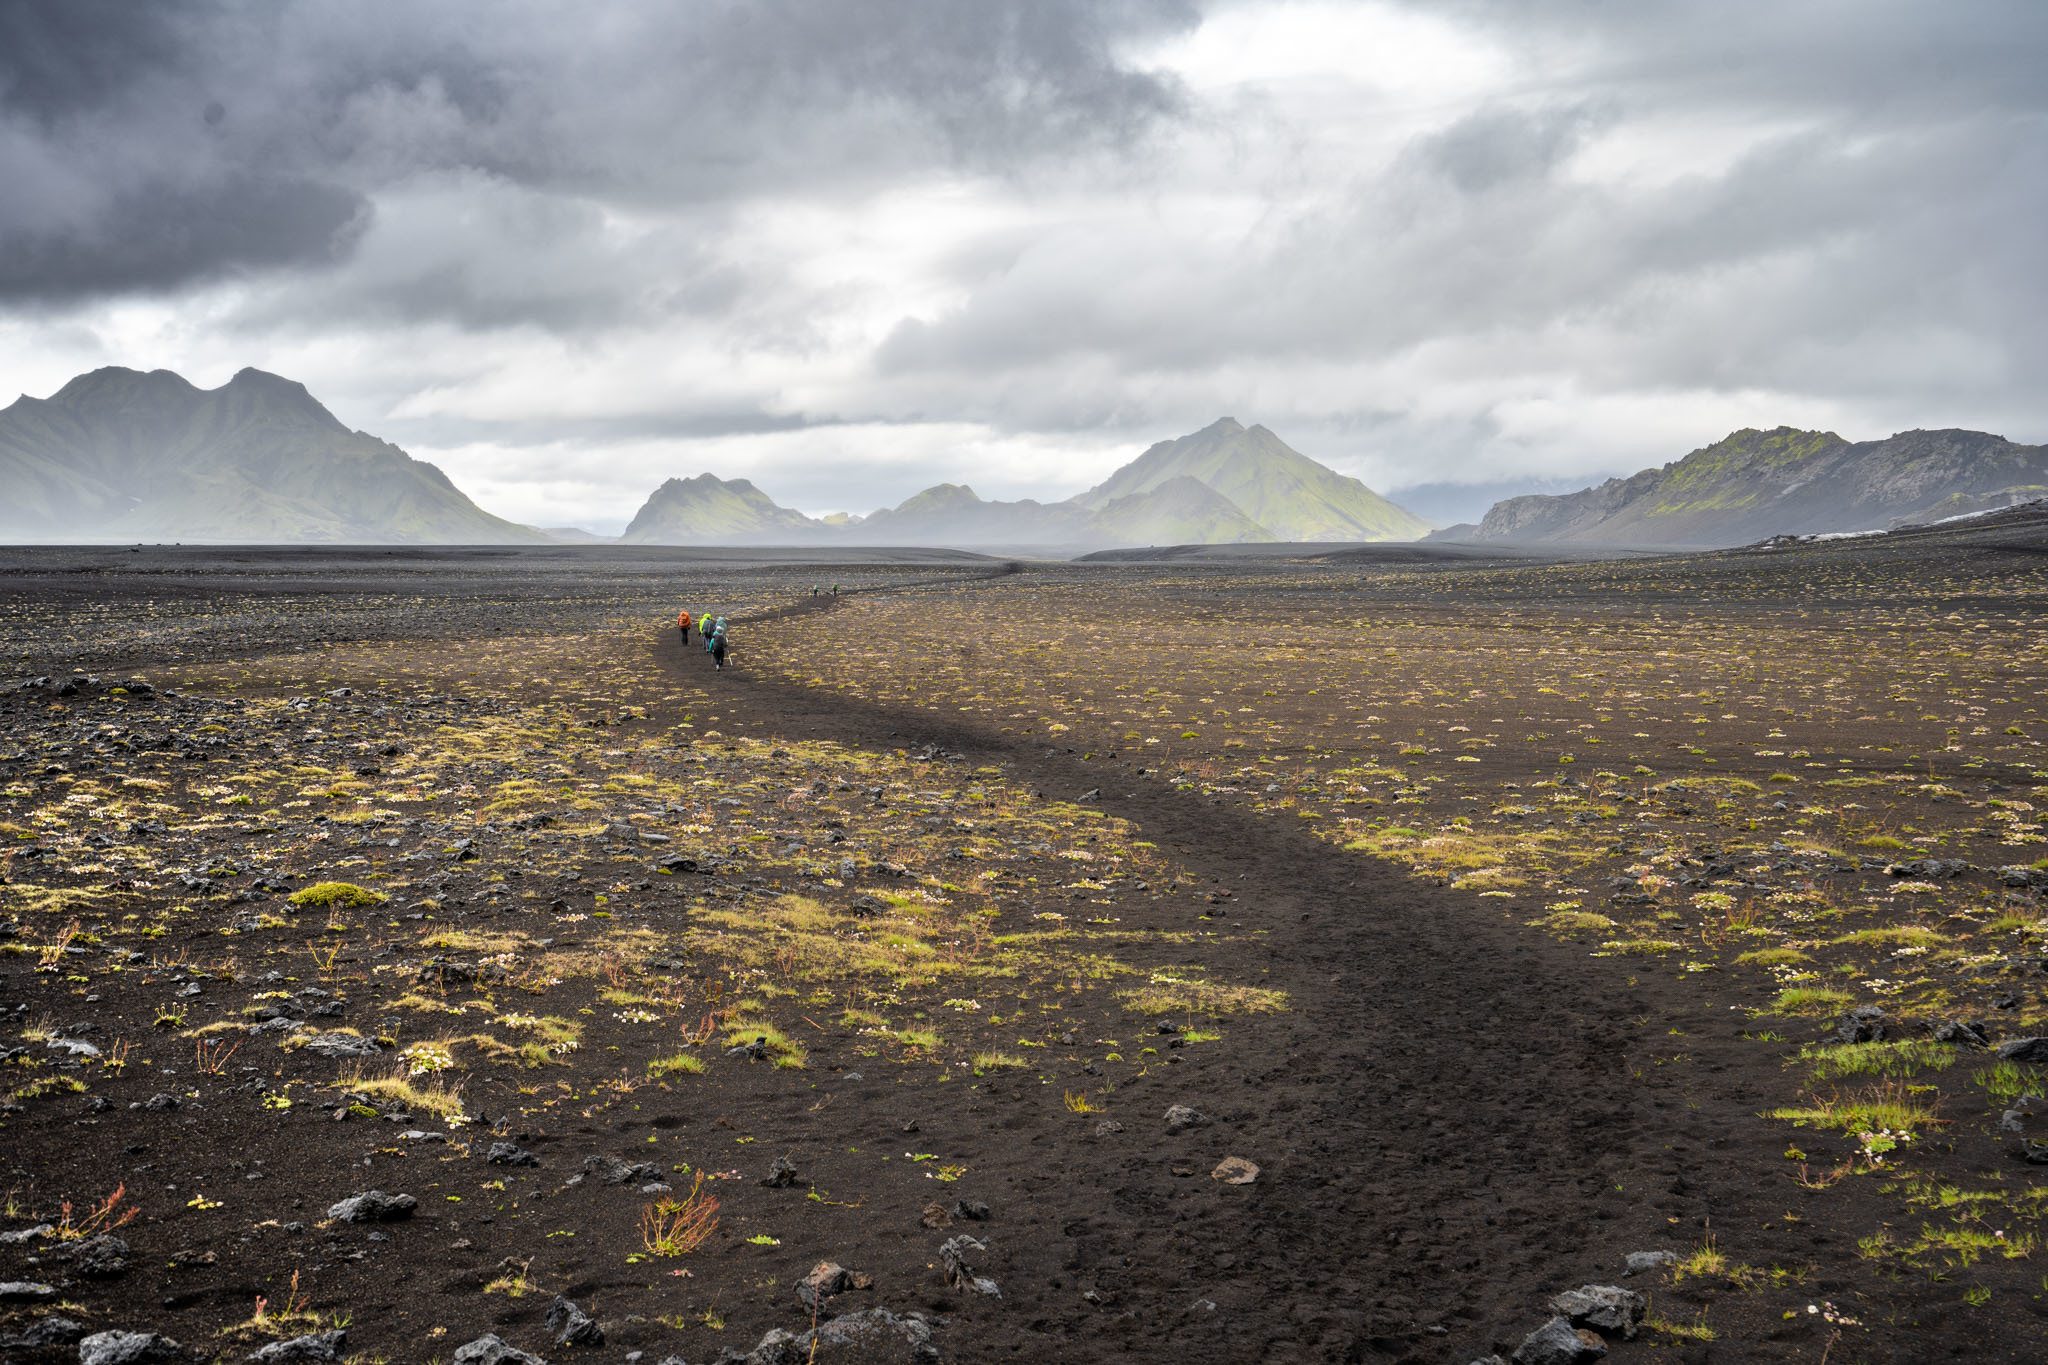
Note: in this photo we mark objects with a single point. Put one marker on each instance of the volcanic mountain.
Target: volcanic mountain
(1225, 484)
(711, 510)
(1270, 483)
(122, 455)
(1757, 484)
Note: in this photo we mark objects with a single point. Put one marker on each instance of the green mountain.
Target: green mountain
(121, 455)
(1223, 485)
(708, 510)
(1181, 511)
(1272, 484)
(954, 514)
(1756, 484)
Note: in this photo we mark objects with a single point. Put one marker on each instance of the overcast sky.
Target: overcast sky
(849, 248)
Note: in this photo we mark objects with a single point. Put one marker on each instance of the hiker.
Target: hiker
(704, 628)
(814, 589)
(716, 644)
(835, 590)
(683, 624)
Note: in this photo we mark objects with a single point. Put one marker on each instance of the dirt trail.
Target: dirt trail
(1459, 1118)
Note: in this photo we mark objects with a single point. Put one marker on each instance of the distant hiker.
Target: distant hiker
(717, 644)
(814, 589)
(704, 628)
(683, 624)
(835, 590)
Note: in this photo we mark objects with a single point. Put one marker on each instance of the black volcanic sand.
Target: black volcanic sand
(956, 919)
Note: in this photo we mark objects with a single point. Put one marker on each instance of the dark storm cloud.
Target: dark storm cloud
(252, 135)
(1891, 179)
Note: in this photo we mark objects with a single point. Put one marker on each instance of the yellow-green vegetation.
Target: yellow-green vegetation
(1893, 1107)
(337, 896)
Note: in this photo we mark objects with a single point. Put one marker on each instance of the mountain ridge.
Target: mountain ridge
(1753, 484)
(121, 454)
(1194, 489)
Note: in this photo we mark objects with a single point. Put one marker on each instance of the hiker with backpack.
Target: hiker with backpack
(715, 643)
(683, 624)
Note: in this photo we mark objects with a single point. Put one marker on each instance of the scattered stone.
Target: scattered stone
(2020, 1117)
(973, 1210)
(935, 1216)
(1864, 1024)
(1642, 1262)
(1108, 1127)
(959, 1271)
(489, 1349)
(341, 1046)
(1235, 1170)
(613, 1171)
(826, 1279)
(782, 1174)
(99, 1258)
(1557, 1342)
(1604, 1307)
(23, 1235)
(26, 1291)
(374, 1206)
(127, 1348)
(510, 1154)
(55, 1330)
(873, 1336)
(313, 1346)
(1180, 1118)
(2031, 1051)
(571, 1326)
(1961, 1034)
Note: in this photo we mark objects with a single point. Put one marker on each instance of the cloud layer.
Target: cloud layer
(851, 247)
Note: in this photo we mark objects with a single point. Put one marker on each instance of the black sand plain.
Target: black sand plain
(1509, 916)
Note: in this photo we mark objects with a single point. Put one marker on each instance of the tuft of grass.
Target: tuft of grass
(1641, 947)
(1182, 992)
(1771, 957)
(998, 1061)
(680, 1064)
(1811, 1000)
(1897, 935)
(1709, 1262)
(1906, 1057)
(786, 1052)
(1574, 921)
(2005, 1082)
(337, 896)
(1890, 1107)
(437, 1097)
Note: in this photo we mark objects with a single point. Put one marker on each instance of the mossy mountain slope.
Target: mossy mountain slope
(1181, 511)
(1272, 484)
(1222, 485)
(118, 454)
(1755, 484)
(709, 510)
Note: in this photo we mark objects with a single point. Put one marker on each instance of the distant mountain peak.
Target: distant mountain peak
(1755, 483)
(126, 455)
(118, 383)
(1267, 481)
